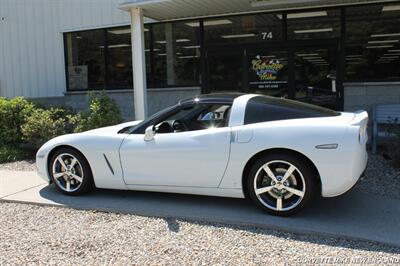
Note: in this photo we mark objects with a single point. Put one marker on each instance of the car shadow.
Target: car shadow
(352, 215)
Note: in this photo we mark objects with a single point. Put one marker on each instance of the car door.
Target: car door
(195, 158)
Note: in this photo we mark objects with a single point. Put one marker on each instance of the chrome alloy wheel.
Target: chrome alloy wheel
(67, 172)
(279, 185)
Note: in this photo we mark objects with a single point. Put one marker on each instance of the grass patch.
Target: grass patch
(10, 154)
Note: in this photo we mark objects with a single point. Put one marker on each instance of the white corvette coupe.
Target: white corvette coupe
(279, 153)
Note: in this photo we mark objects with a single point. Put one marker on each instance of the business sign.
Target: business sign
(265, 68)
(267, 73)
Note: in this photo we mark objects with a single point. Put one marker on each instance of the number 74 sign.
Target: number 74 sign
(266, 35)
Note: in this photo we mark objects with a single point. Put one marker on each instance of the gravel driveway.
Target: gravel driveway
(381, 178)
(48, 235)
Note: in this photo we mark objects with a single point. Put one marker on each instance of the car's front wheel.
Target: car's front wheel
(70, 172)
(281, 184)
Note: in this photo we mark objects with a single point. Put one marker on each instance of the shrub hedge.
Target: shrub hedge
(103, 112)
(23, 122)
(43, 125)
(13, 114)
(11, 154)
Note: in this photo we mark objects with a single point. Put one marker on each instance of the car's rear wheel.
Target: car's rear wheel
(281, 184)
(70, 172)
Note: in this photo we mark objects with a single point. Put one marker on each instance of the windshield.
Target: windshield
(141, 127)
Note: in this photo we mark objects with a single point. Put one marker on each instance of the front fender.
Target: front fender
(95, 147)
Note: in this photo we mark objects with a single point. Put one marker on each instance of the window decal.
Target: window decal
(265, 68)
(267, 73)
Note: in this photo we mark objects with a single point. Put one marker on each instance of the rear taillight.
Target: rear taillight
(362, 134)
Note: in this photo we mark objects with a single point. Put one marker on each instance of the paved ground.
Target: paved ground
(356, 215)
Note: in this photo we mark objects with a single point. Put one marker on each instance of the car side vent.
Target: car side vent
(108, 163)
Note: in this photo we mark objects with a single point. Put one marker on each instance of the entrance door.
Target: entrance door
(316, 76)
(300, 71)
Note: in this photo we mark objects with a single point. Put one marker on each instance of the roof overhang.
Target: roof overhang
(166, 10)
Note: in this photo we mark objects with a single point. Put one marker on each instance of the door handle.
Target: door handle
(233, 136)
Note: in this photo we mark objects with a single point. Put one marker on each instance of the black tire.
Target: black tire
(303, 173)
(87, 183)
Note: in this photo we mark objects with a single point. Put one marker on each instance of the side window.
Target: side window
(194, 117)
(256, 112)
(265, 109)
(215, 113)
(260, 110)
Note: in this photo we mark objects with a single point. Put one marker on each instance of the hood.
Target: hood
(72, 139)
(113, 129)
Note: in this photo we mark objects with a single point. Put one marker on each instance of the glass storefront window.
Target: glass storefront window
(119, 54)
(315, 76)
(372, 43)
(247, 53)
(102, 59)
(225, 70)
(85, 59)
(250, 28)
(176, 54)
(321, 24)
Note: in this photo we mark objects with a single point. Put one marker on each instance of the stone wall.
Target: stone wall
(49, 101)
(363, 95)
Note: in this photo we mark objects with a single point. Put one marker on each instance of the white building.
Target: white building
(339, 54)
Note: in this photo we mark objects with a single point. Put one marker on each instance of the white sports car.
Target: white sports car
(280, 153)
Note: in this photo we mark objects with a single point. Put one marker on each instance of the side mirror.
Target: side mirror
(149, 133)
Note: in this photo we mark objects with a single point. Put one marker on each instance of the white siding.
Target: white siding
(31, 41)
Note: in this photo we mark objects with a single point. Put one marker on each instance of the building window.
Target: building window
(119, 58)
(175, 53)
(250, 28)
(102, 59)
(320, 24)
(372, 43)
(85, 60)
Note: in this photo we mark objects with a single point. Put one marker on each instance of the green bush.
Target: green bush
(43, 125)
(103, 112)
(13, 114)
(22, 121)
(11, 154)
